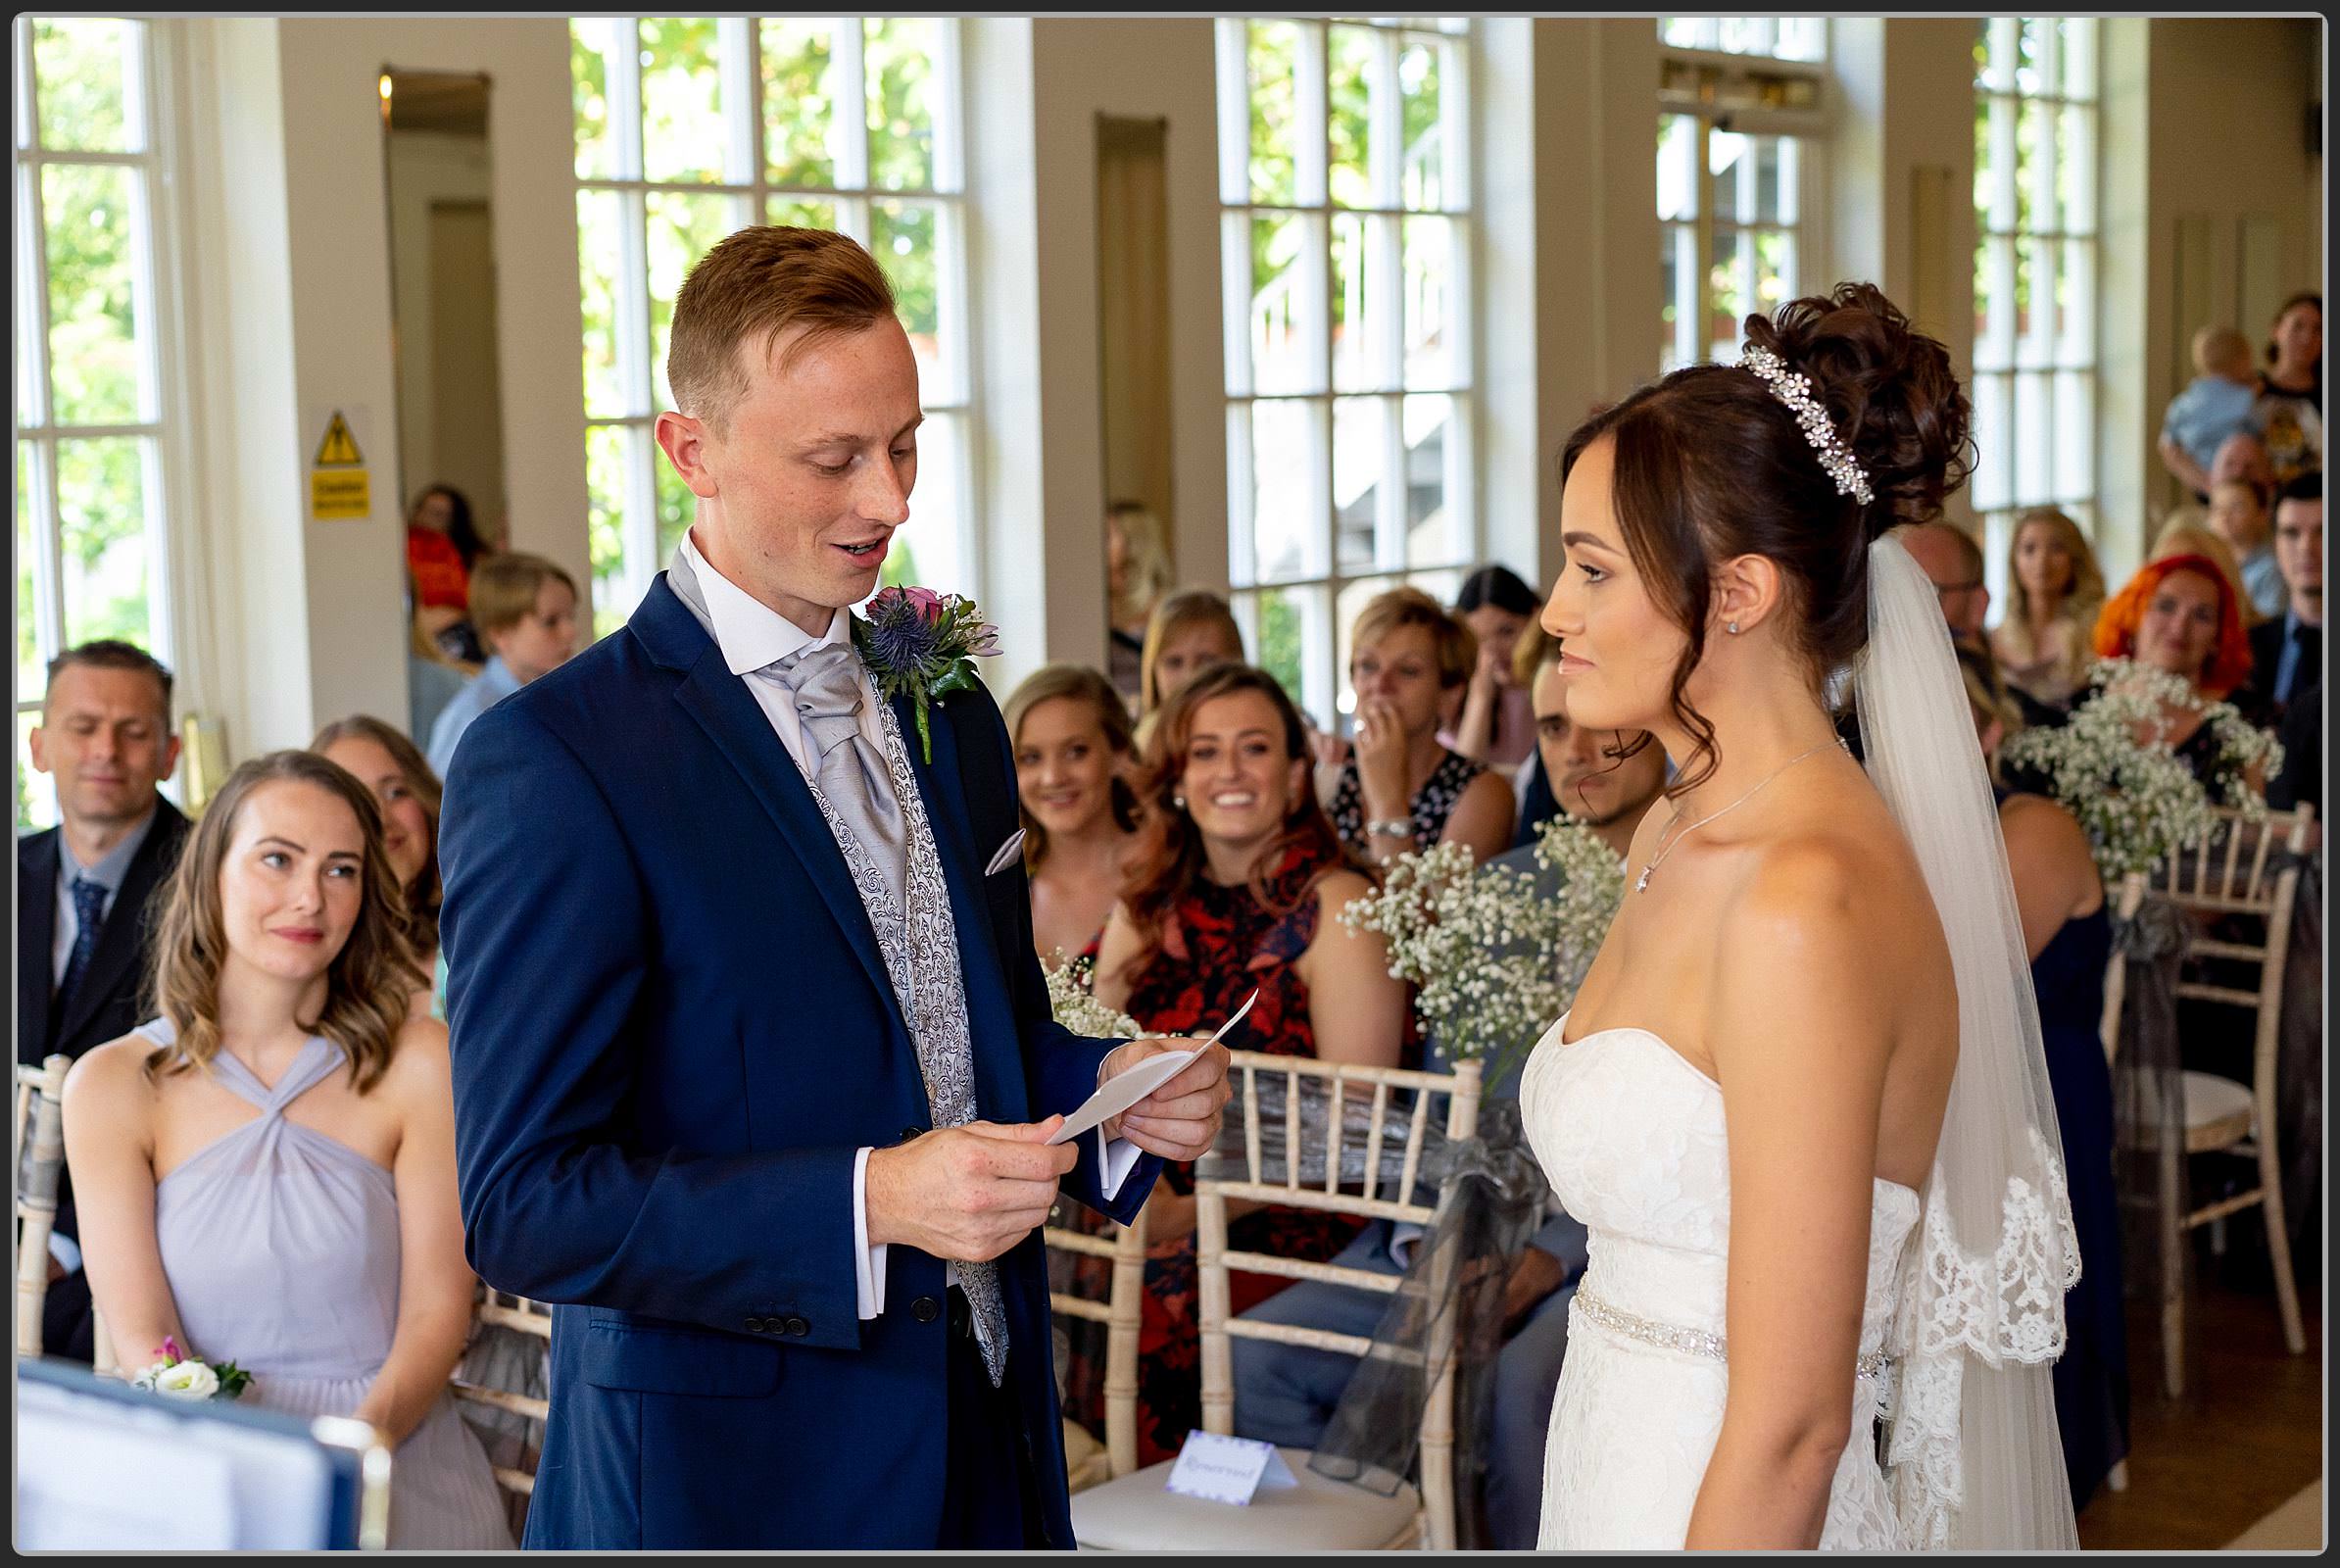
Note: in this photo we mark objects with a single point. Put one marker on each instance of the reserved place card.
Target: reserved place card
(1223, 1469)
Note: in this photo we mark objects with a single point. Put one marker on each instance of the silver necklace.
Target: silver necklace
(1666, 847)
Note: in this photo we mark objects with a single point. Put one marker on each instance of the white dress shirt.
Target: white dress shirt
(752, 635)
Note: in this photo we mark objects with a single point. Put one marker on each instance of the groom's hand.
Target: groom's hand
(967, 1192)
(1180, 1120)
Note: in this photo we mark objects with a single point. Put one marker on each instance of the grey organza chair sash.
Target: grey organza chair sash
(2299, 1063)
(2148, 1099)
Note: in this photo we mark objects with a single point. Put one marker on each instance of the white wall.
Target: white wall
(422, 167)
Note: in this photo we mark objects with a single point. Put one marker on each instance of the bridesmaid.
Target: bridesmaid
(1071, 737)
(266, 1171)
(2069, 932)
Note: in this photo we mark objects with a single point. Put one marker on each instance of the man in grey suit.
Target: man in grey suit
(1287, 1394)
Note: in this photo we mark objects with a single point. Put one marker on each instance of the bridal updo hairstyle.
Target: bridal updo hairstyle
(1709, 465)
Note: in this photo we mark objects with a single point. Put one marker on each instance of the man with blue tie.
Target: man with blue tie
(753, 1064)
(2287, 650)
(87, 889)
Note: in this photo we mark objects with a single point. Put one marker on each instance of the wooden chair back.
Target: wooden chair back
(2126, 900)
(1120, 1313)
(38, 1146)
(529, 1317)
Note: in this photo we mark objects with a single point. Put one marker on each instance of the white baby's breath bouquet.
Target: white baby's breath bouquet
(2113, 767)
(1493, 964)
(1072, 1006)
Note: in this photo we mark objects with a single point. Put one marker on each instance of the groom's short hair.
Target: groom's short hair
(754, 286)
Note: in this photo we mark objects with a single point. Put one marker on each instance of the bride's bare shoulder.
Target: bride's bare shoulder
(1844, 887)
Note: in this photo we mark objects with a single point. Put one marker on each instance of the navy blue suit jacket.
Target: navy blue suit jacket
(671, 1028)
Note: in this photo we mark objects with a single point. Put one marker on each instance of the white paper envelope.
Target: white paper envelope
(1124, 1090)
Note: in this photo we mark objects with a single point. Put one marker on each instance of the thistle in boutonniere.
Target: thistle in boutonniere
(923, 644)
(184, 1377)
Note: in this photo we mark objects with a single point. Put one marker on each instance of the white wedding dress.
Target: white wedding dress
(1631, 1138)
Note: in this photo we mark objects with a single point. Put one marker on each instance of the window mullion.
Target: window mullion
(48, 573)
(848, 113)
(738, 86)
(625, 71)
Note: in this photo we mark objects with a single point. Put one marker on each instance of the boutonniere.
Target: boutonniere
(923, 644)
(184, 1377)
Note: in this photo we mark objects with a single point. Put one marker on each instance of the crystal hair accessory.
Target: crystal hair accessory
(1794, 388)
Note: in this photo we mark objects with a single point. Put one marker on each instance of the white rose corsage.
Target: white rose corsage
(178, 1376)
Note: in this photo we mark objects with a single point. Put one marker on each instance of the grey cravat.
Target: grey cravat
(825, 683)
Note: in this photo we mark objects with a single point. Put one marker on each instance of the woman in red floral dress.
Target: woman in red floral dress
(1237, 884)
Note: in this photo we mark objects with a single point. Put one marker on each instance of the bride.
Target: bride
(1800, 1100)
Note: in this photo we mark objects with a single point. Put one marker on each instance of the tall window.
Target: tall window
(2034, 386)
(1736, 173)
(92, 510)
(1345, 234)
(690, 127)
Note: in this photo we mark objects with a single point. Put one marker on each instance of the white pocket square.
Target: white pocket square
(1006, 857)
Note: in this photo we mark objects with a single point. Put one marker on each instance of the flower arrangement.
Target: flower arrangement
(1072, 1006)
(1494, 964)
(923, 644)
(2113, 767)
(179, 1376)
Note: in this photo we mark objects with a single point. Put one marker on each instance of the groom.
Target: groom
(753, 1064)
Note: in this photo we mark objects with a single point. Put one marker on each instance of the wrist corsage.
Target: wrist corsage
(922, 644)
(185, 1377)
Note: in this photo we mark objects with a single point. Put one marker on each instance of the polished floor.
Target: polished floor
(2243, 1440)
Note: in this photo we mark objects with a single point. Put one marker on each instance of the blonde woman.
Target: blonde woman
(2055, 588)
(1071, 740)
(1136, 576)
(1188, 631)
(266, 1171)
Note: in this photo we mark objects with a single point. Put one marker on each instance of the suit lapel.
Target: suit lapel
(941, 785)
(719, 700)
(36, 935)
(122, 941)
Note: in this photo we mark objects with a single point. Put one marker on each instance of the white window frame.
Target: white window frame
(2037, 450)
(751, 192)
(1752, 93)
(1315, 590)
(152, 211)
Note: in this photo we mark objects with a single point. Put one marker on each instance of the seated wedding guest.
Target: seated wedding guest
(1189, 629)
(2069, 932)
(1237, 885)
(2187, 532)
(266, 1168)
(407, 792)
(527, 612)
(2238, 513)
(1953, 563)
(2212, 406)
(88, 891)
(1136, 576)
(1497, 725)
(1399, 788)
(432, 679)
(2288, 415)
(2287, 650)
(2054, 590)
(1538, 651)
(1072, 742)
(443, 550)
(2301, 779)
(2181, 615)
(1606, 793)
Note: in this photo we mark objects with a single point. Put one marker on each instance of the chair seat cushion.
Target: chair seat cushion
(1085, 1459)
(2218, 1112)
(1135, 1513)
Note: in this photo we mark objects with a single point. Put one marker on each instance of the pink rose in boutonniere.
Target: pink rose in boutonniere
(924, 645)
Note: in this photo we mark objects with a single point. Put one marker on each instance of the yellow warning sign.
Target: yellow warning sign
(339, 494)
(337, 450)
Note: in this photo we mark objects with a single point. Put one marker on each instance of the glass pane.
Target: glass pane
(1748, 35)
(2076, 430)
(93, 337)
(907, 238)
(1994, 444)
(1281, 334)
(590, 40)
(2036, 294)
(2035, 414)
(1678, 296)
(2076, 290)
(2075, 172)
(1688, 33)
(30, 673)
(1775, 268)
(1350, 119)
(36, 796)
(2080, 57)
(1802, 38)
(795, 55)
(682, 99)
(1749, 178)
(1274, 48)
(1676, 166)
(1434, 453)
(801, 213)
(1998, 299)
(80, 67)
(1362, 303)
(682, 228)
(1422, 167)
(1729, 299)
(2035, 162)
(2002, 195)
(1362, 443)
(601, 218)
(2031, 48)
(1431, 268)
(101, 495)
(604, 524)
(897, 67)
(1289, 465)
(1277, 632)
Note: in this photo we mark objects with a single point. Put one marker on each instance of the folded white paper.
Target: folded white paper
(1124, 1090)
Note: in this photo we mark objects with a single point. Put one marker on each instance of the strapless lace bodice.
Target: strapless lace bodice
(1633, 1139)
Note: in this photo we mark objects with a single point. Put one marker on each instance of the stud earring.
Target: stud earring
(1179, 800)
(1732, 627)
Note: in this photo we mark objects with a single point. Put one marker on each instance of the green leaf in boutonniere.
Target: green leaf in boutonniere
(923, 645)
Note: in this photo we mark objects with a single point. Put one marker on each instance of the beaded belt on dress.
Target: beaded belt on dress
(1696, 1341)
